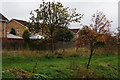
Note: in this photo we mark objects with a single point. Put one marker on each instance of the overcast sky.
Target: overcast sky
(20, 9)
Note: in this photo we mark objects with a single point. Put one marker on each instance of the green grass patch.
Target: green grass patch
(104, 66)
(7, 75)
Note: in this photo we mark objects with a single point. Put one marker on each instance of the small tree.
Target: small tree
(95, 33)
(13, 31)
(63, 35)
(26, 35)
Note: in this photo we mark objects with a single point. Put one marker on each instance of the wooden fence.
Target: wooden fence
(20, 44)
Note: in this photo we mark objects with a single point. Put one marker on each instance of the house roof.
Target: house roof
(3, 18)
(23, 23)
(74, 30)
(36, 36)
(13, 36)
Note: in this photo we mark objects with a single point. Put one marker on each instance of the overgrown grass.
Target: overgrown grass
(70, 64)
(71, 52)
(103, 66)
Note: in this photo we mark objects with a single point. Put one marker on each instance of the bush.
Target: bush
(63, 35)
(26, 35)
(13, 31)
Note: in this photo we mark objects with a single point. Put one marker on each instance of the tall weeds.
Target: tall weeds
(70, 52)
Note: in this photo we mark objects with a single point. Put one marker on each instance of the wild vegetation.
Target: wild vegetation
(95, 34)
(36, 61)
(52, 16)
(26, 35)
(70, 64)
(63, 35)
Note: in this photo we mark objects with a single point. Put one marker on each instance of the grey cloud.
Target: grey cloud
(21, 10)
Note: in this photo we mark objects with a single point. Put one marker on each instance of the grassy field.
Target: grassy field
(67, 65)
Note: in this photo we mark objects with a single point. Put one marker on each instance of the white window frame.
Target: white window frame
(18, 31)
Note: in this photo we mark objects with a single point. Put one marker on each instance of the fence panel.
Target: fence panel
(20, 44)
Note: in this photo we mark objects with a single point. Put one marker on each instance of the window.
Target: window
(42, 32)
(18, 31)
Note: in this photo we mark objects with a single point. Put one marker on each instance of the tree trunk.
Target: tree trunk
(52, 45)
(91, 52)
(51, 36)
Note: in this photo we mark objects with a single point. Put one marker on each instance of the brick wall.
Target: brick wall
(2, 32)
(15, 25)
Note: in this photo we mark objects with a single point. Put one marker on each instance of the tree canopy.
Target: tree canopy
(50, 16)
(53, 15)
(63, 35)
(95, 33)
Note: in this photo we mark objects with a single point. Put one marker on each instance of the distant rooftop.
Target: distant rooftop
(74, 30)
(24, 23)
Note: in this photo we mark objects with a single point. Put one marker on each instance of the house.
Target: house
(19, 25)
(75, 32)
(3, 22)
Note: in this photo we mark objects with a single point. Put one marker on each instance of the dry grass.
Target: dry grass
(80, 52)
(71, 52)
(21, 53)
(110, 50)
(28, 53)
(19, 73)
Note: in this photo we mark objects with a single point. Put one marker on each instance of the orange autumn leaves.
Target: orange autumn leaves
(87, 36)
(95, 32)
